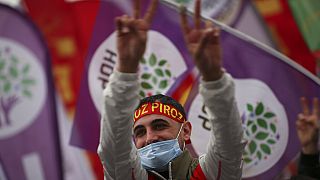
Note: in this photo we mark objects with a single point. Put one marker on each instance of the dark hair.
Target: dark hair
(163, 99)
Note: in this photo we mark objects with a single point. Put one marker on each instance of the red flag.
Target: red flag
(67, 31)
(67, 28)
(283, 28)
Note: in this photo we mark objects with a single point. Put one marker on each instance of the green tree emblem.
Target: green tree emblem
(261, 132)
(155, 76)
(15, 83)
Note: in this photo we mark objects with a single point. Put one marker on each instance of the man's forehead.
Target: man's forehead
(147, 120)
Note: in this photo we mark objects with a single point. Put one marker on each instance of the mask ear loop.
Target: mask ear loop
(184, 143)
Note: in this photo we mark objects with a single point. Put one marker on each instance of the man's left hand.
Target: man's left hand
(203, 44)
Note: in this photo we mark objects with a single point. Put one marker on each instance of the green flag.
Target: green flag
(307, 16)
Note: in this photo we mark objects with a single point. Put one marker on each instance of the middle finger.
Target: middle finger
(315, 110)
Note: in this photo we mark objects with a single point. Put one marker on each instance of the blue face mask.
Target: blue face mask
(156, 156)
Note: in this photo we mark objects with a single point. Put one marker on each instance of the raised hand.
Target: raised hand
(308, 127)
(203, 44)
(132, 36)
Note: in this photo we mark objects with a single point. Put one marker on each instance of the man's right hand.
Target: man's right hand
(308, 127)
(132, 37)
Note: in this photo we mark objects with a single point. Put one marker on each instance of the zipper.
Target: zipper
(170, 171)
(157, 174)
(160, 176)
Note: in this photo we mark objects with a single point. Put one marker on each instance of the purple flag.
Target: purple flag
(163, 64)
(268, 88)
(29, 141)
(166, 60)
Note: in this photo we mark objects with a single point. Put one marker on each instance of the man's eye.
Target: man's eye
(139, 133)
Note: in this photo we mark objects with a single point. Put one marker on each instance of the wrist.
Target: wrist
(125, 69)
(127, 66)
(309, 160)
(310, 149)
(212, 76)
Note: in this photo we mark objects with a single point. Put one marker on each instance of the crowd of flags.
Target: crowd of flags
(65, 36)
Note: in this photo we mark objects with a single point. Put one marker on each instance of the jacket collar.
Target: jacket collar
(179, 167)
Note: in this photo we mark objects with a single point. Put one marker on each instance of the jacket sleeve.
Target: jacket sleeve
(224, 155)
(309, 165)
(116, 150)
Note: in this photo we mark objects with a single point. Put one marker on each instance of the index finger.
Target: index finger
(304, 106)
(137, 9)
(184, 20)
(197, 12)
(151, 11)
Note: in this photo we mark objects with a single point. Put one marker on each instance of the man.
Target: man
(308, 134)
(159, 124)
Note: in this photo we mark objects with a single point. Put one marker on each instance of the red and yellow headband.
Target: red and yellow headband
(160, 109)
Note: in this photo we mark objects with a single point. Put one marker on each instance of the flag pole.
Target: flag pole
(176, 6)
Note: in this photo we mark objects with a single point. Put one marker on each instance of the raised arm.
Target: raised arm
(203, 44)
(116, 150)
(308, 133)
(308, 127)
(132, 37)
(223, 157)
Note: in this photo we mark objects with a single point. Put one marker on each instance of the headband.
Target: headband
(160, 109)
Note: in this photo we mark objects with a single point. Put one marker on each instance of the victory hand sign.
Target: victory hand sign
(203, 44)
(132, 36)
(308, 127)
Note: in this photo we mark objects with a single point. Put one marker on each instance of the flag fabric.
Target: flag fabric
(307, 18)
(159, 69)
(268, 88)
(29, 138)
(67, 31)
(306, 14)
(277, 16)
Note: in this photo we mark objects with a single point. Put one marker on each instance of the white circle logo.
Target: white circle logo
(161, 65)
(262, 117)
(22, 88)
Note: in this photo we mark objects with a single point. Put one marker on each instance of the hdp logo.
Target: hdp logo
(22, 89)
(261, 132)
(263, 115)
(261, 125)
(155, 77)
(158, 68)
(15, 81)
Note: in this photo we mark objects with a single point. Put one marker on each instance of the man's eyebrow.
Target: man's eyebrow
(160, 121)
